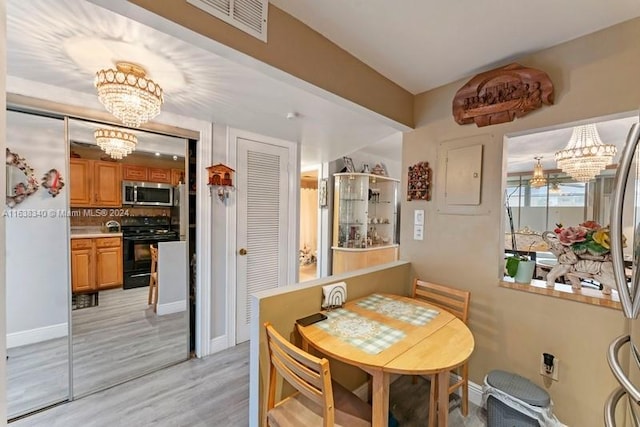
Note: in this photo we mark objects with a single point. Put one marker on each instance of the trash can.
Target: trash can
(512, 400)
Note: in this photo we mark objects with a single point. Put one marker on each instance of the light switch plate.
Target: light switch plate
(418, 232)
(418, 217)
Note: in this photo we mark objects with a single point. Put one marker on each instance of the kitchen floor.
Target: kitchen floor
(213, 391)
(119, 339)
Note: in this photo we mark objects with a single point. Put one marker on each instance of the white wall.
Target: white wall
(172, 277)
(37, 248)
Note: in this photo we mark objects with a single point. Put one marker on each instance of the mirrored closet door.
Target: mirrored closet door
(128, 241)
(37, 263)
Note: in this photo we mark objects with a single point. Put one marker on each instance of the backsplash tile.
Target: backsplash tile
(98, 216)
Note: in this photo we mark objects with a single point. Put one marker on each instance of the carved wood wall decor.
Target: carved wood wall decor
(419, 182)
(500, 95)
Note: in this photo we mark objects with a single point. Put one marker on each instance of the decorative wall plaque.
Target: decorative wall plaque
(500, 95)
(419, 182)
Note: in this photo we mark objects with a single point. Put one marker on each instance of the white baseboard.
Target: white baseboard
(475, 390)
(32, 336)
(172, 307)
(218, 344)
(475, 393)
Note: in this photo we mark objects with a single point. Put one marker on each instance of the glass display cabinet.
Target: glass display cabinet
(365, 221)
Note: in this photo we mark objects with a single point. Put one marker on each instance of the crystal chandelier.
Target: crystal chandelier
(128, 94)
(538, 179)
(115, 143)
(585, 155)
(555, 187)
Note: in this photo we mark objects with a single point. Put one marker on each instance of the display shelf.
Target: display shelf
(365, 225)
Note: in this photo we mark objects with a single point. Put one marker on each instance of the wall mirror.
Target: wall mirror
(21, 181)
(116, 333)
(37, 278)
(559, 198)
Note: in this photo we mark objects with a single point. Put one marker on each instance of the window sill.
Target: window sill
(584, 295)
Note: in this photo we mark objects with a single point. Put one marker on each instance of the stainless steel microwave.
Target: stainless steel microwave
(147, 193)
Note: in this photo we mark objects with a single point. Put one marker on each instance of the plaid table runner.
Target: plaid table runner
(406, 312)
(368, 335)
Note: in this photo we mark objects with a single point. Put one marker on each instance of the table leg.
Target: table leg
(380, 399)
(443, 398)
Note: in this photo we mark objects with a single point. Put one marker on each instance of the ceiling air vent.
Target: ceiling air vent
(249, 16)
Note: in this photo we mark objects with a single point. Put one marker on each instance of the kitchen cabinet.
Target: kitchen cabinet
(80, 182)
(134, 173)
(365, 230)
(95, 183)
(177, 176)
(82, 269)
(96, 264)
(162, 175)
(151, 174)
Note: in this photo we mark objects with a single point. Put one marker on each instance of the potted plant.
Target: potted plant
(519, 266)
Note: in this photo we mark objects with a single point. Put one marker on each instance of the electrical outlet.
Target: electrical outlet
(554, 373)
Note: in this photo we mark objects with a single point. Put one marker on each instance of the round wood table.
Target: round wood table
(434, 348)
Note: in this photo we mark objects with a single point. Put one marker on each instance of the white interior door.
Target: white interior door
(262, 224)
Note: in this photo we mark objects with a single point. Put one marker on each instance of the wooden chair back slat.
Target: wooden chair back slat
(297, 367)
(451, 299)
(308, 374)
(154, 258)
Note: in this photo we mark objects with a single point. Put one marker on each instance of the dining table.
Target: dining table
(385, 334)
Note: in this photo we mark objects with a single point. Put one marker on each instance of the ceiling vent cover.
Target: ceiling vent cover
(249, 16)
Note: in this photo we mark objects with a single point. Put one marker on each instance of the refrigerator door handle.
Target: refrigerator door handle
(629, 296)
(612, 357)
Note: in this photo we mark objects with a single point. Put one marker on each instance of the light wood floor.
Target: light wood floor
(209, 392)
(120, 339)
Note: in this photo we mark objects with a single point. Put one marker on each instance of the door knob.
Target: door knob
(242, 251)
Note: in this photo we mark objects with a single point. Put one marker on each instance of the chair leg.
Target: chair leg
(433, 401)
(465, 389)
(150, 291)
(155, 297)
(414, 379)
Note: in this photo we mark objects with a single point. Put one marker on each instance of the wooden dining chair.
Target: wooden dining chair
(153, 278)
(455, 301)
(318, 401)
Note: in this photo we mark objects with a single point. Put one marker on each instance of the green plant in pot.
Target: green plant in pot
(521, 268)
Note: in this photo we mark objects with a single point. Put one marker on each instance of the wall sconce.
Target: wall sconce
(221, 176)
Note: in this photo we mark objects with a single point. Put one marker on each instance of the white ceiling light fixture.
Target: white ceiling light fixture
(585, 155)
(128, 94)
(116, 143)
(538, 179)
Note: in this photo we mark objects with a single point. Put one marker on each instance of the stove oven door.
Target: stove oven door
(137, 260)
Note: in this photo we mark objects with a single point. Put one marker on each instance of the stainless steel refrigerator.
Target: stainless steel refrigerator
(623, 405)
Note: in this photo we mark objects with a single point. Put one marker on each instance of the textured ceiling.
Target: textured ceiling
(422, 44)
(60, 44)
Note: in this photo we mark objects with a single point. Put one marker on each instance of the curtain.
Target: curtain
(308, 222)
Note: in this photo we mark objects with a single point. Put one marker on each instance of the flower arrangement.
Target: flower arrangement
(588, 237)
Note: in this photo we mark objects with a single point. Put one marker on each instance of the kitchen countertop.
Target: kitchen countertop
(91, 233)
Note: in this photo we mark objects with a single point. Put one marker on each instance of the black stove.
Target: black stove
(138, 234)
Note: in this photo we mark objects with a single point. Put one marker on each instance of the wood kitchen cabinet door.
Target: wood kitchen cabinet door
(80, 182)
(134, 173)
(107, 184)
(160, 175)
(82, 268)
(177, 176)
(108, 267)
